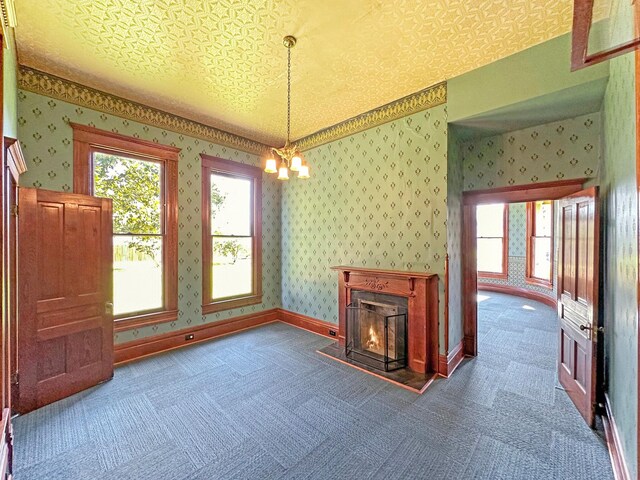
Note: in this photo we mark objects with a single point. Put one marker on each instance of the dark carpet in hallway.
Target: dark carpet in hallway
(262, 404)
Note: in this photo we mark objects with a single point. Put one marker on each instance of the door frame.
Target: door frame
(470, 199)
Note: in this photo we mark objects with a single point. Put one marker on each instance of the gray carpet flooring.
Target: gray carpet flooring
(262, 404)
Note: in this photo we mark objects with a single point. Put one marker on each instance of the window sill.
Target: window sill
(221, 305)
(144, 320)
(539, 282)
(497, 276)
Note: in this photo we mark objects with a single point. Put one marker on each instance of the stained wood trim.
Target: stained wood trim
(143, 347)
(514, 194)
(505, 248)
(616, 453)
(144, 320)
(210, 165)
(311, 324)
(519, 292)
(447, 363)
(446, 305)
(88, 139)
(582, 17)
(524, 193)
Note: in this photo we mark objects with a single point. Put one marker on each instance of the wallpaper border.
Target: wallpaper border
(416, 102)
(42, 83)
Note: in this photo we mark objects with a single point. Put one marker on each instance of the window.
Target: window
(539, 269)
(492, 240)
(231, 234)
(141, 179)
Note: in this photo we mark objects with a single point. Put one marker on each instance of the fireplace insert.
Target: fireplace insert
(376, 333)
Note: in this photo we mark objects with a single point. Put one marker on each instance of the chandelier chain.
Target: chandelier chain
(288, 93)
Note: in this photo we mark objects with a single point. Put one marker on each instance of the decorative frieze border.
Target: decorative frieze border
(51, 86)
(55, 87)
(416, 102)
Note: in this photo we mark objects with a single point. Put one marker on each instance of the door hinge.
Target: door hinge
(14, 210)
(15, 378)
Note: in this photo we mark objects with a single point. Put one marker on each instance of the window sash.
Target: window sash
(504, 253)
(531, 235)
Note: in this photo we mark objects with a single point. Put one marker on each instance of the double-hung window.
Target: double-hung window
(231, 234)
(141, 179)
(492, 240)
(539, 268)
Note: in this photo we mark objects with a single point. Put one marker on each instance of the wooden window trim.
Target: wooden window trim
(211, 165)
(505, 250)
(87, 140)
(531, 235)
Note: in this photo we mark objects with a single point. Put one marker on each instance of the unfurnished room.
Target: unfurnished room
(356, 239)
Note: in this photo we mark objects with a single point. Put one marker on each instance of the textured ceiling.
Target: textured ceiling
(222, 63)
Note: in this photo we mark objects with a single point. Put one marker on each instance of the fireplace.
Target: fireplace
(406, 302)
(376, 330)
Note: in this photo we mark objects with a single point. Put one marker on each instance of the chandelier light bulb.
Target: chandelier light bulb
(283, 173)
(271, 166)
(303, 172)
(296, 163)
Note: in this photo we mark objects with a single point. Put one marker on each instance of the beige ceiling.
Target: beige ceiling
(222, 63)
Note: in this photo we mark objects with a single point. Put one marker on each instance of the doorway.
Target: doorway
(577, 278)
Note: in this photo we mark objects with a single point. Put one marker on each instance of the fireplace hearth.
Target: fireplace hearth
(376, 330)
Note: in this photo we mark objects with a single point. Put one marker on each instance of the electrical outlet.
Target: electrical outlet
(190, 336)
(332, 333)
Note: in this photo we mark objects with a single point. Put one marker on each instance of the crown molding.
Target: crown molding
(416, 102)
(55, 87)
(42, 83)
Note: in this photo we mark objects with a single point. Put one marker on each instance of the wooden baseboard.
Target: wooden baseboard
(519, 292)
(308, 323)
(448, 363)
(143, 347)
(620, 469)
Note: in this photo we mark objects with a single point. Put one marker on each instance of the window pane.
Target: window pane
(542, 258)
(230, 205)
(544, 218)
(490, 220)
(490, 255)
(135, 187)
(137, 274)
(231, 266)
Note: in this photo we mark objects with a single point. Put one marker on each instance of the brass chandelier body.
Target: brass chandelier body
(290, 157)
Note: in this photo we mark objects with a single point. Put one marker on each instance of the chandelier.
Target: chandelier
(290, 157)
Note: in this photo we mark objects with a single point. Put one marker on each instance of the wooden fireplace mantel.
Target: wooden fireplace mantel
(421, 291)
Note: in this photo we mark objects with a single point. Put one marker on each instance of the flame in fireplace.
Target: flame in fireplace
(373, 343)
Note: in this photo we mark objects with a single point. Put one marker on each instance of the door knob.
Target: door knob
(586, 327)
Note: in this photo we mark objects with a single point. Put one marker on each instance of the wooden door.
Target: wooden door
(578, 244)
(65, 337)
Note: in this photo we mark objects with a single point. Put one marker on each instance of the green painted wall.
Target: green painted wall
(47, 141)
(10, 93)
(620, 217)
(455, 185)
(538, 71)
(376, 199)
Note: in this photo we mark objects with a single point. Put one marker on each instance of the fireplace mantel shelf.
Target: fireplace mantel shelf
(385, 273)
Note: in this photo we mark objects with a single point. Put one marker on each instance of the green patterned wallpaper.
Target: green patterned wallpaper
(553, 151)
(375, 199)
(620, 208)
(48, 147)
